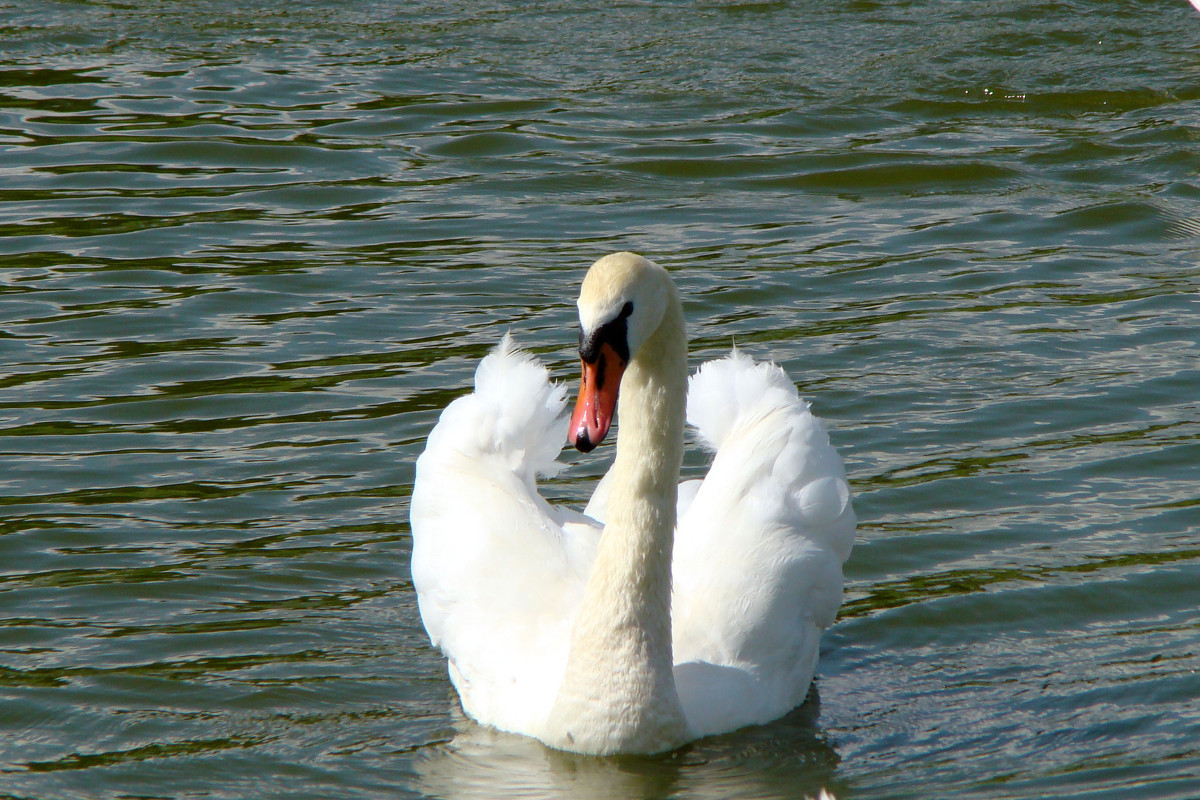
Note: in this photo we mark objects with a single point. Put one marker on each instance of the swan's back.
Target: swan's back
(759, 550)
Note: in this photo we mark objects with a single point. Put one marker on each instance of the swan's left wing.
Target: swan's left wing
(758, 553)
(498, 570)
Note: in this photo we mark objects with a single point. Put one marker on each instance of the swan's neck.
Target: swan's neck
(618, 691)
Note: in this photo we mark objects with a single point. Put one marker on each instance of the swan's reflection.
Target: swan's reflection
(789, 758)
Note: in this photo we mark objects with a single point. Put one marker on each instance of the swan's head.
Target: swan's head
(621, 303)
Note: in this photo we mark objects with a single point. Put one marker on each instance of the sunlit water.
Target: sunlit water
(249, 250)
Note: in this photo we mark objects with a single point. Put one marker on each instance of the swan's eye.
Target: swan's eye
(614, 333)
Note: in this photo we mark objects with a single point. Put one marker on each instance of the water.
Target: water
(249, 250)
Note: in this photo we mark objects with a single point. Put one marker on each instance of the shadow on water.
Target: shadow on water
(791, 758)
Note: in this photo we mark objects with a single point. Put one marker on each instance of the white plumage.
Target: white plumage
(756, 567)
(759, 551)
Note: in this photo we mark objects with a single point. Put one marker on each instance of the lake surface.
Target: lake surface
(249, 250)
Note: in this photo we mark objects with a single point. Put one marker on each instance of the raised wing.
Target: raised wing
(497, 569)
(758, 553)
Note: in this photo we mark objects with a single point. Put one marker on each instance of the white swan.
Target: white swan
(618, 631)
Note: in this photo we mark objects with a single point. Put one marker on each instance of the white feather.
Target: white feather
(757, 561)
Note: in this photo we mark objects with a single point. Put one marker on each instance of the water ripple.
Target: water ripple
(247, 255)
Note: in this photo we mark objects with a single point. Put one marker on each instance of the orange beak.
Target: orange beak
(597, 404)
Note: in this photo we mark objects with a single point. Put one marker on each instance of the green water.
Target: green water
(249, 250)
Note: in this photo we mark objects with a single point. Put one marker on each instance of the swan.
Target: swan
(664, 612)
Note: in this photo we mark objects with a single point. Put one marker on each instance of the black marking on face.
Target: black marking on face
(614, 333)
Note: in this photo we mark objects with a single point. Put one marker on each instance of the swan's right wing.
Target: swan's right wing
(758, 553)
(498, 571)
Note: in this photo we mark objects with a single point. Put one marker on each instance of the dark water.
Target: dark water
(248, 251)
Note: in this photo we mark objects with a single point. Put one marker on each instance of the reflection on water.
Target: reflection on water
(790, 758)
